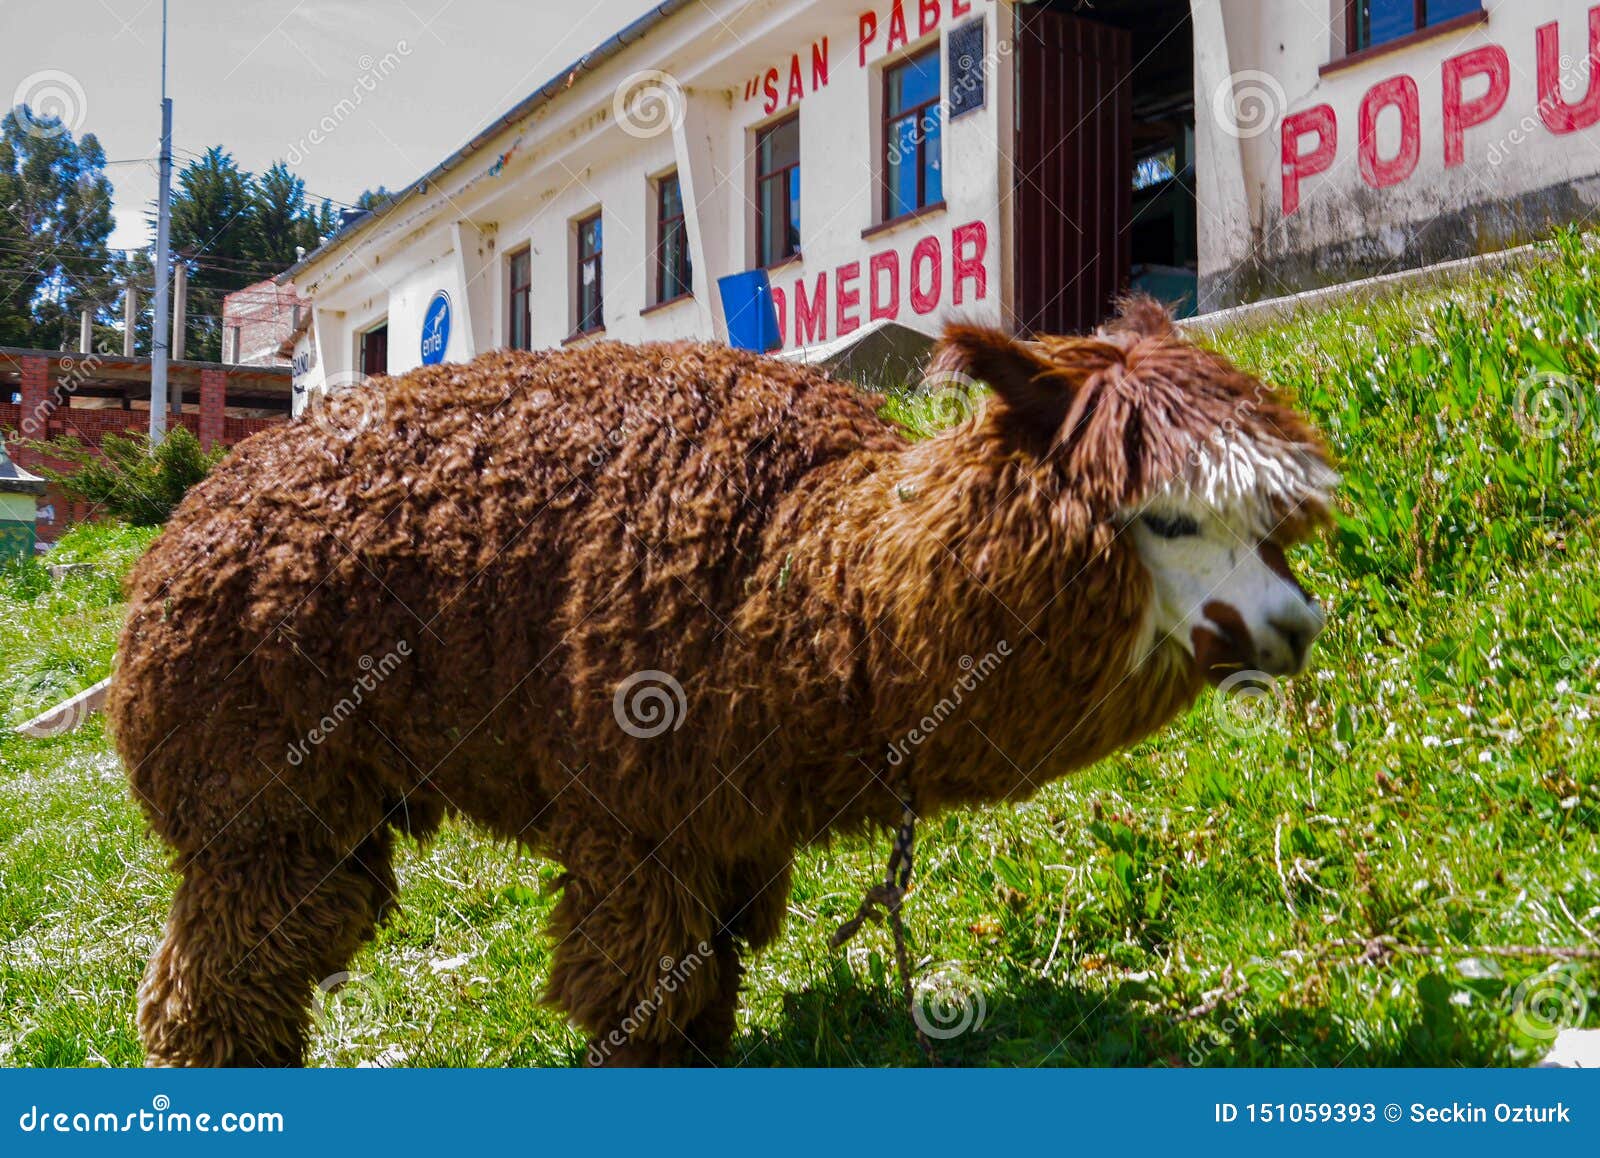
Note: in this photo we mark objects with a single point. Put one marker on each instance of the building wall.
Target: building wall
(259, 318)
(731, 68)
(43, 420)
(1449, 168)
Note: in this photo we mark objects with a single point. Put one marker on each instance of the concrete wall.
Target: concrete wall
(720, 71)
(1470, 147)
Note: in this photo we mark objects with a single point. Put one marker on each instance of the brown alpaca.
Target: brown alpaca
(339, 637)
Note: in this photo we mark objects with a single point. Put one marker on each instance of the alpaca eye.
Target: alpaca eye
(1172, 526)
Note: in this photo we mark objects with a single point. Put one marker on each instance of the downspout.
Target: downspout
(1221, 189)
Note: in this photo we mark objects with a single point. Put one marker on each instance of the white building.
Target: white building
(913, 161)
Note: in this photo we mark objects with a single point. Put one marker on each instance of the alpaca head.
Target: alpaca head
(1152, 444)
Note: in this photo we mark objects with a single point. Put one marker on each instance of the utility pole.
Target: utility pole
(130, 318)
(161, 335)
(180, 307)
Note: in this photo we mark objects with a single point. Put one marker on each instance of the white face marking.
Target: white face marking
(1198, 561)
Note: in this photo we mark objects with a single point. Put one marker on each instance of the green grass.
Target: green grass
(1206, 898)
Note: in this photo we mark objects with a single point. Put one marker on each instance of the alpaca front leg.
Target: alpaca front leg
(635, 964)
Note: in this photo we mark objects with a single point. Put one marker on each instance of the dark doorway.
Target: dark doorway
(375, 351)
(1074, 141)
(1104, 197)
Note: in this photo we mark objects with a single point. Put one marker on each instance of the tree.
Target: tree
(229, 228)
(55, 218)
(372, 198)
(233, 229)
(213, 229)
(325, 221)
(282, 221)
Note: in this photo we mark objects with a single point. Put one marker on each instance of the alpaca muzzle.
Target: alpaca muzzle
(1279, 646)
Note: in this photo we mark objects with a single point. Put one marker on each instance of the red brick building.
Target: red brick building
(257, 320)
(48, 394)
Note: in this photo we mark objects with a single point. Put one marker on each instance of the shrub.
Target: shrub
(127, 479)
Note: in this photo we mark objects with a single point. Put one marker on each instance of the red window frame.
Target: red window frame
(762, 178)
(915, 113)
(1420, 25)
(584, 260)
(671, 267)
(521, 299)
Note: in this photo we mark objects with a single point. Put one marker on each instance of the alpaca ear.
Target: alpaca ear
(1026, 383)
(1140, 316)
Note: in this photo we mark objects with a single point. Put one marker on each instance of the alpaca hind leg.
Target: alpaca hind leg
(634, 963)
(759, 898)
(251, 932)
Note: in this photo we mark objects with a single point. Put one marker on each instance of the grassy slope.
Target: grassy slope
(1203, 899)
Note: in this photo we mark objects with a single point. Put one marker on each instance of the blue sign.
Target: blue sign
(436, 329)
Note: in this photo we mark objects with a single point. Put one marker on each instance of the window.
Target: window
(673, 272)
(778, 191)
(590, 314)
(375, 351)
(1154, 168)
(912, 175)
(519, 326)
(1375, 22)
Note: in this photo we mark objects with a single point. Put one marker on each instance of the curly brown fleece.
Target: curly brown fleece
(340, 637)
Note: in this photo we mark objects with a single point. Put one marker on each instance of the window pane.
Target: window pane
(521, 269)
(779, 146)
(900, 166)
(913, 83)
(932, 159)
(793, 238)
(1441, 10)
(674, 261)
(519, 321)
(589, 296)
(771, 239)
(671, 197)
(1385, 20)
(589, 238)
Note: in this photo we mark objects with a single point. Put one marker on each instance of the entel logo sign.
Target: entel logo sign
(1487, 68)
(436, 329)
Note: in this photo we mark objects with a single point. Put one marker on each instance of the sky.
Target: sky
(257, 77)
